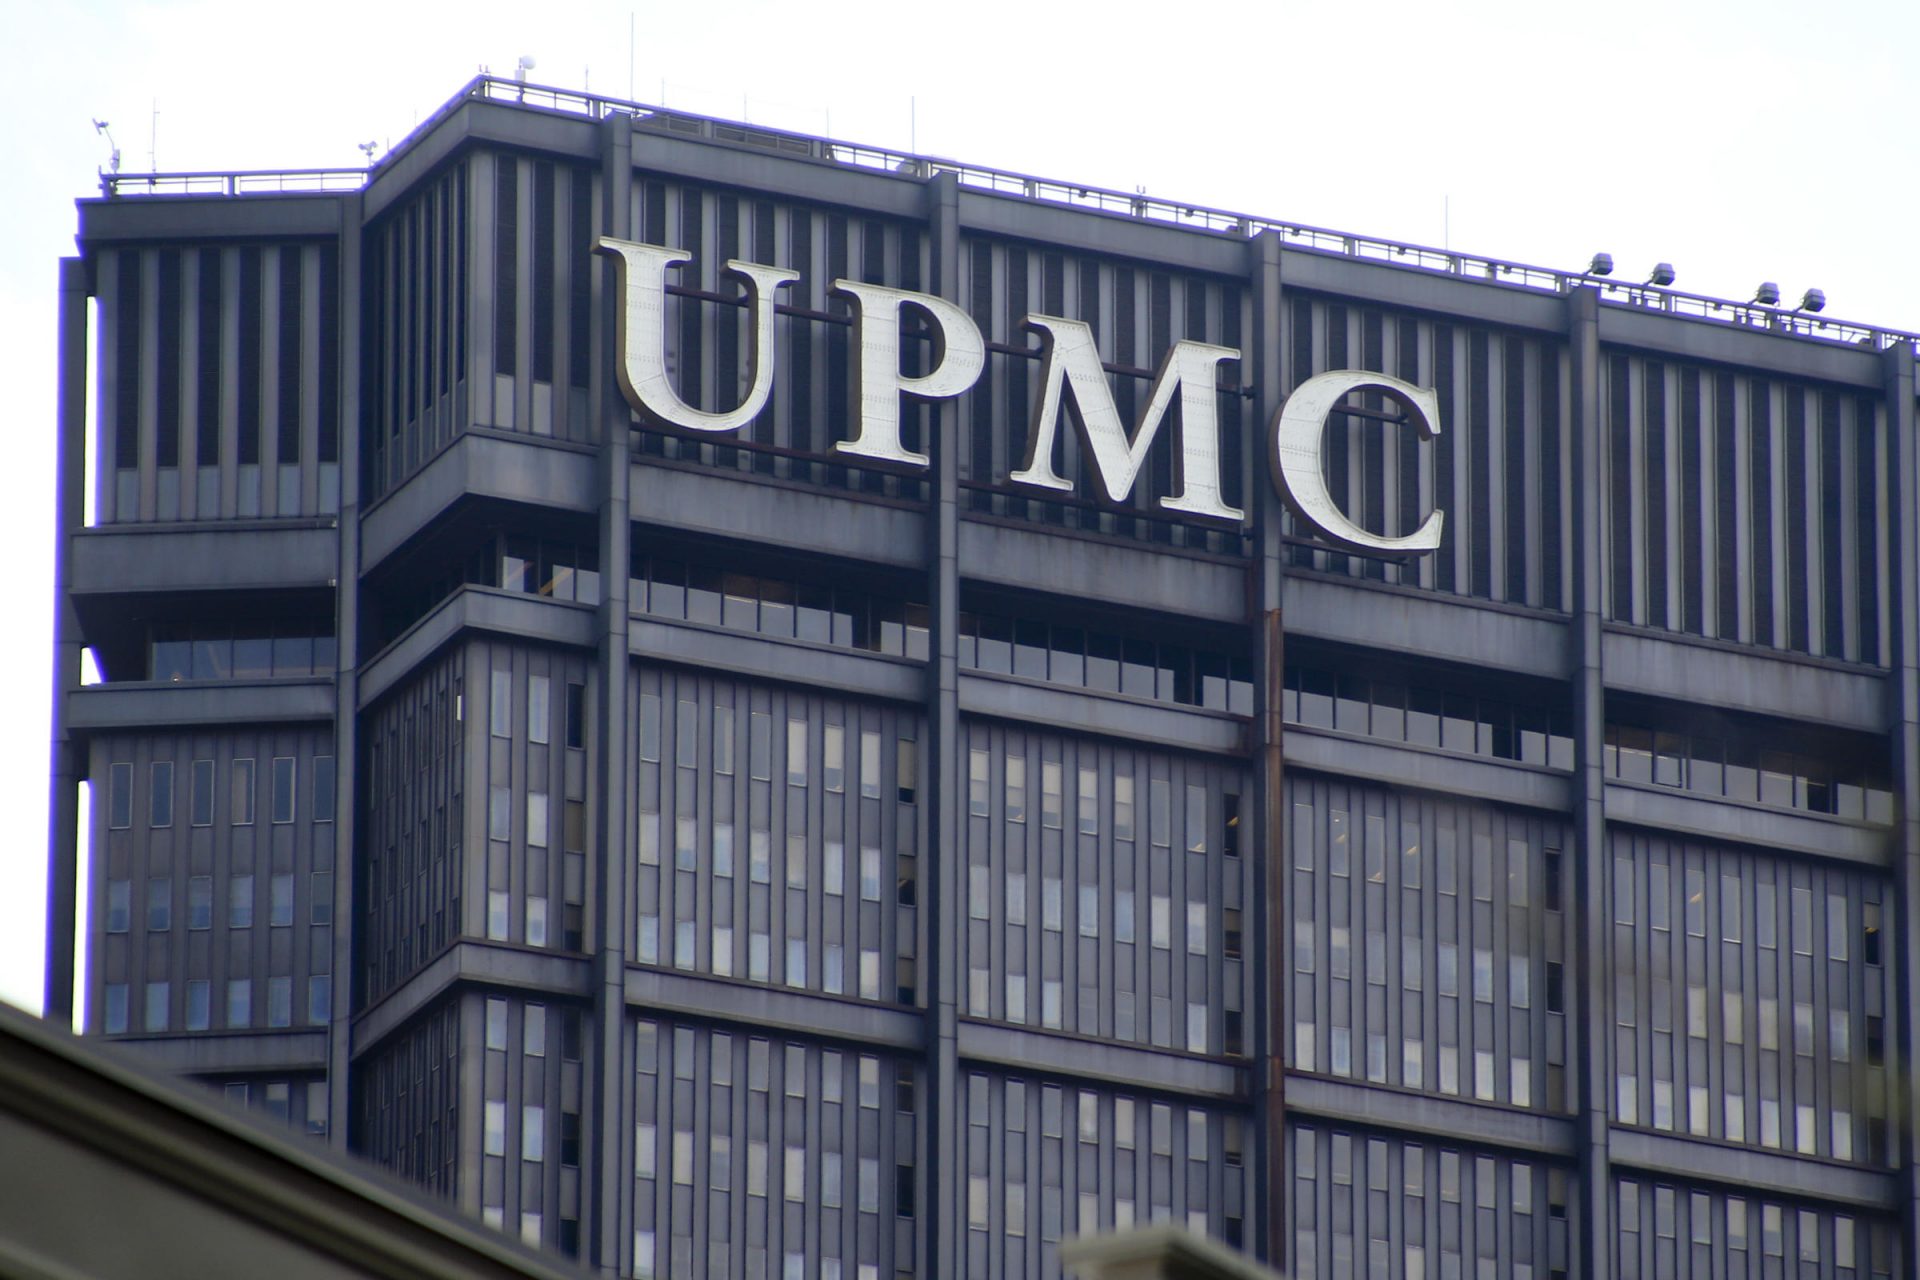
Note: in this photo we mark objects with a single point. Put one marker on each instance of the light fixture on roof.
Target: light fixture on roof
(366, 149)
(521, 68)
(113, 161)
(1662, 274)
(1602, 265)
(1813, 300)
(1768, 294)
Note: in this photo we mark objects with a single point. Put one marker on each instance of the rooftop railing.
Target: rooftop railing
(1137, 204)
(233, 183)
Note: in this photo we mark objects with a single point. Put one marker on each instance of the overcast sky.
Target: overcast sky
(1741, 141)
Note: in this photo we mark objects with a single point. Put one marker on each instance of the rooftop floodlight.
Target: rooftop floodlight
(1768, 294)
(1814, 300)
(1662, 274)
(1602, 265)
(521, 68)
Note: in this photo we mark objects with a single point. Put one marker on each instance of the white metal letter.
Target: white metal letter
(958, 356)
(640, 276)
(1299, 430)
(1190, 367)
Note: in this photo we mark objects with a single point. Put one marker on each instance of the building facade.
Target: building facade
(723, 852)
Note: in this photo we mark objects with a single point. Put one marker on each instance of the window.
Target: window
(533, 1134)
(870, 765)
(539, 712)
(907, 769)
(240, 902)
(202, 793)
(537, 821)
(159, 904)
(283, 785)
(496, 1129)
(200, 902)
(239, 1003)
(119, 905)
(160, 794)
(323, 788)
(120, 795)
(319, 999)
(281, 909)
(279, 1002)
(796, 753)
(115, 1019)
(157, 999)
(500, 705)
(576, 716)
(199, 1004)
(242, 805)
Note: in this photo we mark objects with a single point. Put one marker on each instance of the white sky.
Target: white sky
(1740, 141)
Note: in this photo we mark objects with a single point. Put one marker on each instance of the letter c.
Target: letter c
(1298, 433)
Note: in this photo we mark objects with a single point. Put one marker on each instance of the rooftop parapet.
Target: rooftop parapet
(575, 102)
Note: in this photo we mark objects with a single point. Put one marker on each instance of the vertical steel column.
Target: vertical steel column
(1269, 1237)
(346, 719)
(1592, 1246)
(69, 513)
(605, 1199)
(1898, 374)
(944, 913)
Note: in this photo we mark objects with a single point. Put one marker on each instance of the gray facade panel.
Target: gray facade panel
(1688, 1231)
(1371, 1204)
(778, 836)
(212, 890)
(1428, 944)
(748, 1152)
(1751, 1001)
(1046, 1160)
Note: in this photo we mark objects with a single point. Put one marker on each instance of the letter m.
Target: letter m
(1073, 363)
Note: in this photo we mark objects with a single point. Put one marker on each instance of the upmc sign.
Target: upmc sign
(1073, 379)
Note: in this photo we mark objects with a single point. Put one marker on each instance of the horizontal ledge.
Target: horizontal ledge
(744, 653)
(1453, 1119)
(1439, 771)
(1109, 715)
(229, 1054)
(137, 705)
(470, 961)
(773, 1008)
(1752, 1170)
(1683, 814)
(1110, 1062)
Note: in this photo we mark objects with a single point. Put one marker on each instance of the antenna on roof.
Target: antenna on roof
(113, 161)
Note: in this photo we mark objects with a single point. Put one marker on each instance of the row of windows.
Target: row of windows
(823, 1165)
(519, 1076)
(1394, 897)
(1710, 764)
(280, 1099)
(1750, 1000)
(1106, 662)
(211, 651)
(158, 1012)
(1373, 1206)
(779, 607)
(544, 818)
(1667, 1231)
(242, 792)
(987, 642)
(240, 902)
(742, 877)
(1527, 732)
